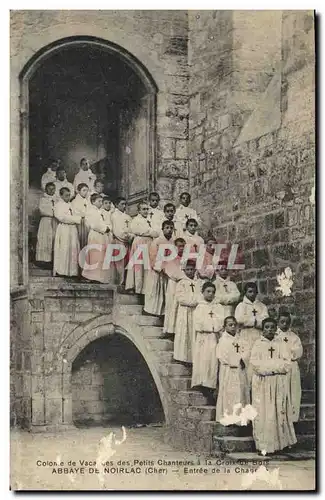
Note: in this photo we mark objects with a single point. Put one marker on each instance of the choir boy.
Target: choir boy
(169, 214)
(122, 235)
(107, 210)
(62, 181)
(227, 293)
(50, 174)
(185, 212)
(207, 269)
(208, 322)
(174, 272)
(155, 293)
(191, 237)
(141, 228)
(155, 215)
(98, 187)
(47, 225)
(233, 383)
(66, 244)
(85, 175)
(187, 295)
(99, 232)
(270, 359)
(293, 343)
(80, 205)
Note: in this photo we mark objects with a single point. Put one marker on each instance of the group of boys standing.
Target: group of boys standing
(233, 346)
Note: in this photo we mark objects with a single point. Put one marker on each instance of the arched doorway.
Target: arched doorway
(87, 97)
(112, 384)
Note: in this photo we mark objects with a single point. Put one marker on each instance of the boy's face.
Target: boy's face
(169, 213)
(98, 202)
(168, 230)
(65, 196)
(54, 166)
(189, 271)
(154, 201)
(50, 190)
(106, 205)
(251, 293)
(99, 187)
(192, 227)
(61, 175)
(122, 206)
(84, 192)
(84, 164)
(210, 246)
(284, 323)
(143, 210)
(180, 248)
(223, 271)
(269, 330)
(209, 293)
(185, 199)
(231, 326)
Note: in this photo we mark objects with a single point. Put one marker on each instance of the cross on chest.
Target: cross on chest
(70, 211)
(149, 223)
(271, 351)
(151, 214)
(285, 339)
(225, 287)
(127, 223)
(236, 346)
(187, 216)
(192, 287)
(102, 216)
(254, 311)
(211, 314)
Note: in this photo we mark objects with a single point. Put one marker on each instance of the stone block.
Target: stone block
(175, 168)
(309, 281)
(82, 317)
(181, 149)
(165, 188)
(53, 410)
(166, 148)
(287, 252)
(38, 410)
(261, 258)
(67, 304)
(37, 362)
(176, 84)
(51, 304)
(27, 361)
(36, 304)
(173, 127)
(292, 216)
(224, 121)
(83, 305)
(37, 317)
(309, 251)
(60, 317)
(279, 220)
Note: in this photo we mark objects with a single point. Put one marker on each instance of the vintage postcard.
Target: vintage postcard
(162, 250)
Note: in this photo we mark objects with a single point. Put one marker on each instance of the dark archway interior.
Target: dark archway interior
(112, 384)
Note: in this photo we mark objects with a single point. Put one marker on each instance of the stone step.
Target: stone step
(229, 444)
(152, 332)
(307, 411)
(180, 383)
(191, 398)
(162, 345)
(144, 320)
(174, 369)
(306, 442)
(307, 426)
(128, 299)
(257, 460)
(203, 412)
(218, 429)
(129, 309)
(308, 396)
(164, 356)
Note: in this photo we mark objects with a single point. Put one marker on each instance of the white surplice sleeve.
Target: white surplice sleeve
(184, 296)
(63, 215)
(46, 207)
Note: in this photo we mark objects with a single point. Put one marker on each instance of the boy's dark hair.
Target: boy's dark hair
(97, 181)
(191, 263)
(167, 223)
(154, 194)
(139, 205)
(62, 190)
(208, 284)
(269, 320)
(49, 184)
(189, 221)
(168, 205)
(250, 284)
(82, 160)
(119, 199)
(180, 240)
(185, 192)
(106, 198)
(229, 317)
(82, 185)
(60, 168)
(94, 197)
(283, 313)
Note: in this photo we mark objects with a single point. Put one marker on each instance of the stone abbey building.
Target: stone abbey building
(219, 103)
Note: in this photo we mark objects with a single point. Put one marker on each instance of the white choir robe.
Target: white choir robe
(233, 382)
(227, 294)
(184, 213)
(294, 346)
(187, 295)
(86, 177)
(97, 236)
(156, 217)
(174, 273)
(155, 292)
(66, 244)
(208, 322)
(49, 176)
(61, 184)
(80, 207)
(46, 229)
(207, 270)
(178, 231)
(137, 277)
(194, 240)
(122, 235)
(273, 426)
(107, 216)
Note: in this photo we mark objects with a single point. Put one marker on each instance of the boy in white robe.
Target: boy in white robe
(98, 188)
(208, 322)
(273, 428)
(85, 175)
(106, 210)
(47, 226)
(169, 214)
(233, 357)
(191, 237)
(207, 270)
(187, 295)
(155, 215)
(123, 236)
(174, 272)
(185, 212)
(155, 292)
(99, 232)
(66, 244)
(141, 228)
(249, 314)
(62, 181)
(80, 205)
(287, 336)
(227, 293)
(50, 174)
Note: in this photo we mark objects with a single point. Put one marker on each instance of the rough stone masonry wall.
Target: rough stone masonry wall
(252, 148)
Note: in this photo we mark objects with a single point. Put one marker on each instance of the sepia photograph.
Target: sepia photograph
(162, 250)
